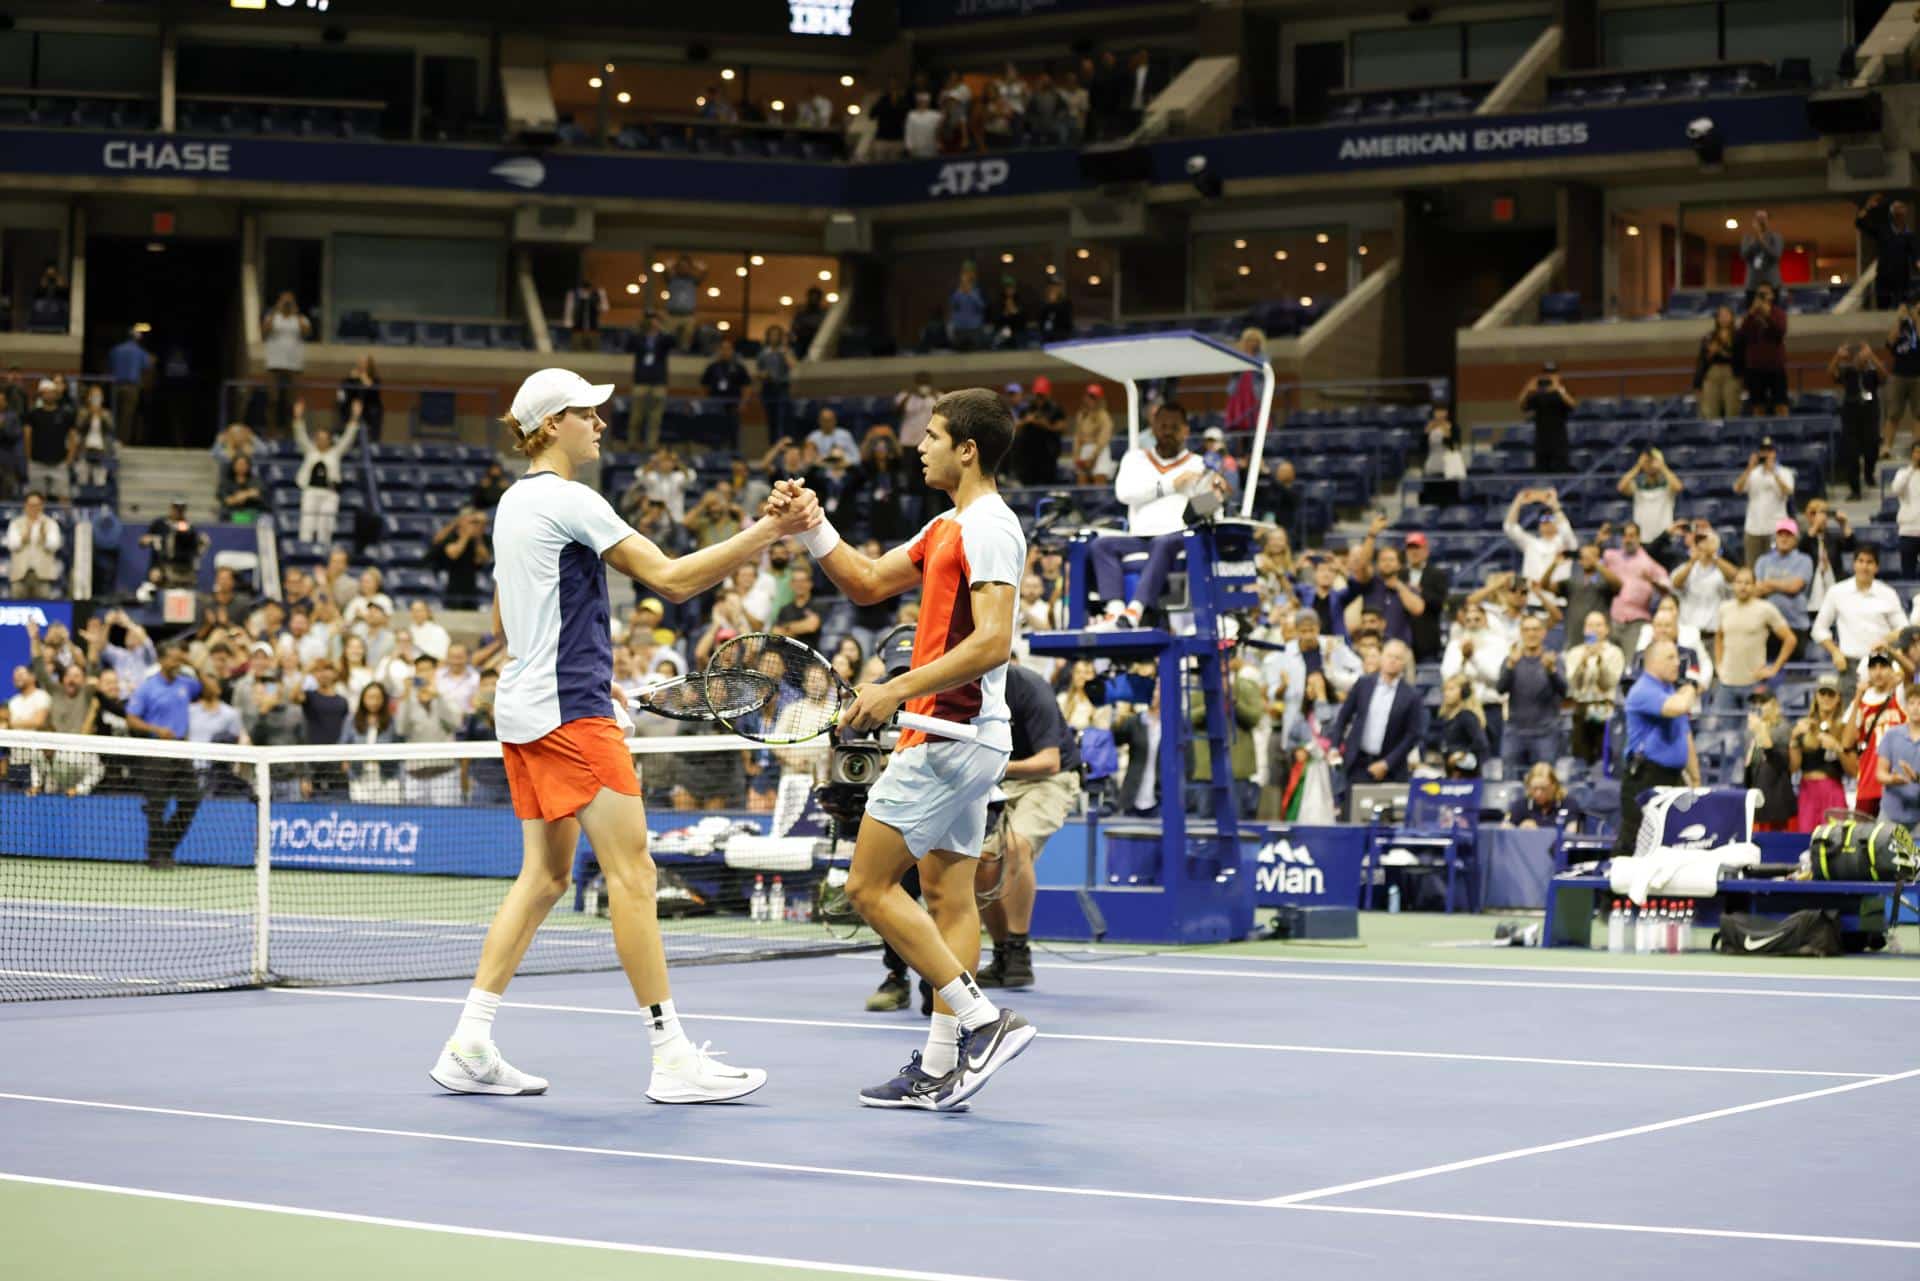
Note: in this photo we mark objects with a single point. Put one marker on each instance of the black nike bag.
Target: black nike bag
(1860, 848)
(1805, 933)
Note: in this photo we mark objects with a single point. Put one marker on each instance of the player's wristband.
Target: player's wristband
(820, 540)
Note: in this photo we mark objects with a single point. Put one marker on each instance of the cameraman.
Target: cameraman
(1042, 787)
(1659, 737)
(176, 547)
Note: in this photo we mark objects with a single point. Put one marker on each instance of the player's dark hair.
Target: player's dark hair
(978, 415)
(1174, 407)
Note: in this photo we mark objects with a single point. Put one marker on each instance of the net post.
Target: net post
(262, 858)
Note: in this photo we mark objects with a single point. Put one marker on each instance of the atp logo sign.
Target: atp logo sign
(1286, 868)
(970, 177)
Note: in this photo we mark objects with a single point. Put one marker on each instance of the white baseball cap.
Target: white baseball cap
(551, 391)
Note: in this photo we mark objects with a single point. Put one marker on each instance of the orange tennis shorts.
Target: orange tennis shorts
(553, 777)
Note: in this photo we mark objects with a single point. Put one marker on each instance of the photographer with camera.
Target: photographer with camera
(1659, 737)
(1547, 401)
(1859, 373)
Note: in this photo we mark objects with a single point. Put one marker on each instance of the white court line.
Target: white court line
(1273, 1047)
(677, 1158)
(493, 1234)
(1453, 1167)
(1267, 976)
(1733, 1234)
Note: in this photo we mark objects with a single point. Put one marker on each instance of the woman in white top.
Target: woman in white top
(1652, 486)
(285, 332)
(322, 458)
(90, 445)
(1703, 584)
(1092, 439)
(1478, 650)
(356, 671)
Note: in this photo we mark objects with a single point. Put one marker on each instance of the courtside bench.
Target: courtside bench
(1866, 906)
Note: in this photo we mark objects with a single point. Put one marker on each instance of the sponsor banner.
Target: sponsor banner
(1546, 135)
(451, 840)
(15, 649)
(1310, 866)
(945, 13)
(1015, 173)
(1555, 135)
(555, 172)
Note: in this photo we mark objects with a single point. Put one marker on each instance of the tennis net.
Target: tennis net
(136, 866)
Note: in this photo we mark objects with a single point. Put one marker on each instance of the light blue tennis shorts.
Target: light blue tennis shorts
(935, 795)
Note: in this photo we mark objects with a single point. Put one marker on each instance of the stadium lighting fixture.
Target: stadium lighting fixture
(701, 101)
(1053, 269)
(633, 287)
(740, 271)
(1093, 280)
(826, 275)
(1320, 239)
(659, 266)
(786, 300)
(156, 247)
(595, 82)
(1306, 300)
(1319, 266)
(757, 261)
(1239, 244)
(664, 295)
(846, 82)
(1006, 258)
(853, 108)
(724, 325)
(1279, 255)
(1733, 224)
(833, 297)
(778, 104)
(1633, 229)
(1081, 254)
(726, 73)
(1834, 279)
(623, 97)
(609, 68)
(1245, 270)
(713, 291)
(1206, 183)
(1362, 251)
(1708, 146)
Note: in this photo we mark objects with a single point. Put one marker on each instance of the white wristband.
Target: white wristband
(820, 540)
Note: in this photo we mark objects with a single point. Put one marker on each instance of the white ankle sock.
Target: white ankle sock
(968, 1005)
(663, 1026)
(942, 1054)
(476, 1019)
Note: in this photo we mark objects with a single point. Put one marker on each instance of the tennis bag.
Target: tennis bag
(1805, 933)
(1858, 848)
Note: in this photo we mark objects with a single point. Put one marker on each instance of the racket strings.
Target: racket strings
(805, 699)
(705, 698)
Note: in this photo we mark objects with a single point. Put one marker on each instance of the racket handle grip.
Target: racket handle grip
(939, 728)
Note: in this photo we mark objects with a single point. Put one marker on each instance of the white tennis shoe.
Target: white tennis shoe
(689, 1074)
(482, 1071)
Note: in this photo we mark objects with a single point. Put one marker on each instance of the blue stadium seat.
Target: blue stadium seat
(471, 337)
(409, 583)
(435, 333)
(510, 337)
(1561, 308)
(398, 552)
(396, 333)
(400, 500)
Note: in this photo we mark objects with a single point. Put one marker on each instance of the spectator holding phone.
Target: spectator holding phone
(1763, 338)
(1548, 402)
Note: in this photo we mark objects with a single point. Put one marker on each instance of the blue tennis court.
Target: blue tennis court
(1205, 1113)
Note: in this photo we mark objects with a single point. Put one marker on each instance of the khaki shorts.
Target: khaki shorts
(1036, 808)
(1901, 397)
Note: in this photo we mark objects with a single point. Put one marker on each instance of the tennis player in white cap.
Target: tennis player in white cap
(567, 764)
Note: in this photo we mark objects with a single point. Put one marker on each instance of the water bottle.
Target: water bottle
(1393, 898)
(595, 888)
(757, 902)
(1642, 929)
(1617, 927)
(1683, 934)
(777, 902)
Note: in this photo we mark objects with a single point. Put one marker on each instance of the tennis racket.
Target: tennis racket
(809, 696)
(708, 696)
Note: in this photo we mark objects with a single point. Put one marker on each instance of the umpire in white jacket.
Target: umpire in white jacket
(1155, 482)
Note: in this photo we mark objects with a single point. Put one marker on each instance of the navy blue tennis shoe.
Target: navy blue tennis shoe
(984, 1051)
(912, 1088)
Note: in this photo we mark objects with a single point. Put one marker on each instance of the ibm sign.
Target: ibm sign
(820, 17)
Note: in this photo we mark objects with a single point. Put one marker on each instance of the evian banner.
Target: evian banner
(1317, 866)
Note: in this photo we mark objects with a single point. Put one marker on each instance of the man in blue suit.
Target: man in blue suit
(1382, 720)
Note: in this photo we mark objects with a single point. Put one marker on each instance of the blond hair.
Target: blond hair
(1254, 331)
(530, 444)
